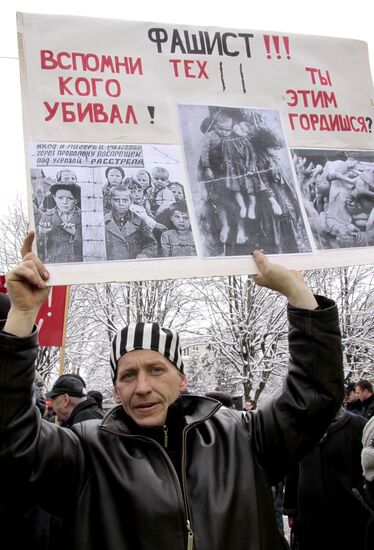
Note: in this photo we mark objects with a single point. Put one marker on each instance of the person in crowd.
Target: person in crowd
(144, 178)
(365, 393)
(40, 400)
(320, 495)
(159, 197)
(166, 469)
(115, 177)
(177, 189)
(49, 413)
(227, 163)
(60, 229)
(43, 199)
(179, 240)
(223, 397)
(249, 405)
(351, 400)
(138, 205)
(179, 199)
(70, 401)
(127, 235)
(367, 462)
(66, 176)
(98, 396)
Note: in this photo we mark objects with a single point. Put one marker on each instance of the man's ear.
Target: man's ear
(116, 395)
(183, 382)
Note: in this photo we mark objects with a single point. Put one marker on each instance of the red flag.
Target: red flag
(51, 317)
(3, 289)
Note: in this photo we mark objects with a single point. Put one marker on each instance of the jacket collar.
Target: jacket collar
(196, 409)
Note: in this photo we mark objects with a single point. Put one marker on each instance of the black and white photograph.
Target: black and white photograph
(338, 193)
(242, 182)
(109, 202)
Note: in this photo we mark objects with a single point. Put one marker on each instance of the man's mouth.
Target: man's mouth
(147, 407)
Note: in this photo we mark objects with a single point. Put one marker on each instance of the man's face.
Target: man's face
(147, 384)
(114, 177)
(361, 394)
(68, 175)
(65, 200)
(177, 192)
(180, 220)
(120, 202)
(351, 397)
(60, 405)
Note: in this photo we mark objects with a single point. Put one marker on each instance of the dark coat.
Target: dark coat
(87, 410)
(117, 489)
(368, 407)
(319, 491)
(127, 242)
(58, 245)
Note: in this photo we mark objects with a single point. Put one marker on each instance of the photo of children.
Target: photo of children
(90, 211)
(242, 182)
(338, 193)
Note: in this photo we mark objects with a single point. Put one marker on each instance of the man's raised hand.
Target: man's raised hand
(287, 282)
(27, 289)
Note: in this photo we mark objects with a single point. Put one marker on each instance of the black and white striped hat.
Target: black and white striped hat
(146, 336)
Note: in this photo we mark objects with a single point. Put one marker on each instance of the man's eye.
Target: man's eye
(157, 370)
(126, 376)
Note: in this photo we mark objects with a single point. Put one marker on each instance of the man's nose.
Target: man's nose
(142, 384)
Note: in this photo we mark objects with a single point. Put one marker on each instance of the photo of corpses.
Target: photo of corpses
(338, 193)
(114, 203)
(242, 182)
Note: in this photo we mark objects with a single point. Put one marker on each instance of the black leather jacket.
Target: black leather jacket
(119, 491)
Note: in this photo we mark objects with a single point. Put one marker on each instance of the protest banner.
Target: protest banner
(52, 316)
(164, 151)
(3, 289)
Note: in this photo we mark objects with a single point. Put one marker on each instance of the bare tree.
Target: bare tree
(13, 229)
(352, 289)
(248, 332)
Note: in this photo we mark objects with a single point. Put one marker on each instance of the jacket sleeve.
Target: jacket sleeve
(293, 421)
(35, 455)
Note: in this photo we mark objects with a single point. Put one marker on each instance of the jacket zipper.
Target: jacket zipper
(183, 485)
(189, 536)
(166, 436)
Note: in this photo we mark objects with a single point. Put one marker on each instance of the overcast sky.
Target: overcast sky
(318, 17)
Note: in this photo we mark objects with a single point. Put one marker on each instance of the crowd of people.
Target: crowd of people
(167, 469)
(145, 216)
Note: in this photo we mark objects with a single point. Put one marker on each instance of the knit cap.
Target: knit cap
(145, 336)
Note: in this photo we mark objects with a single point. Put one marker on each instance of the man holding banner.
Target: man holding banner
(165, 469)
